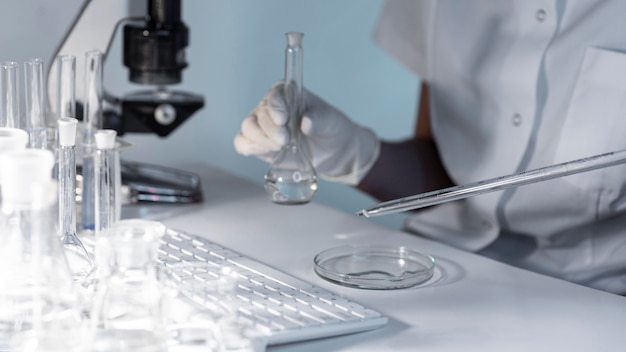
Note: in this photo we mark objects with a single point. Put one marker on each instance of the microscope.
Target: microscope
(154, 42)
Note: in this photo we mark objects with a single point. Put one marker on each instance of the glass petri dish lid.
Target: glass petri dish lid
(375, 267)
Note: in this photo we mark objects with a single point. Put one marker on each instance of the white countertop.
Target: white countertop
(476, 305)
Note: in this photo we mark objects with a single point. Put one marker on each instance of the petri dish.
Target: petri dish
(375, 267)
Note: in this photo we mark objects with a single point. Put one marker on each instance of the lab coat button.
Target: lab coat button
(517, 119)
(541, 15)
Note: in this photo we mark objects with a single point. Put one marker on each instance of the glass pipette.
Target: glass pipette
(494, 184)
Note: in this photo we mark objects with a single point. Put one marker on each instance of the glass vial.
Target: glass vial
(291, 177)
(108, 181)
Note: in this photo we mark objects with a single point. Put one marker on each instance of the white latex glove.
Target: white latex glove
(340, 150)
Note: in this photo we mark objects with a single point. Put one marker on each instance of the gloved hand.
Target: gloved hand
(340, 150)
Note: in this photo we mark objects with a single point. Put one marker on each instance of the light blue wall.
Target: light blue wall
(236, 53)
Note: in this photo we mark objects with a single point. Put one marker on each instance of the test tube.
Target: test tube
(78, 258)
(67, 175)
(9, 103)
(93, 91)
(107, 177)
(66, 86)
(34, 101)
(93, 122)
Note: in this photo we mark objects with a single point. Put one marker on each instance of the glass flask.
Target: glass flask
(93, 122)
(108, 179)
(291, 177)
(34, 102)
(78, 258)
(39, 306)
(127, 314)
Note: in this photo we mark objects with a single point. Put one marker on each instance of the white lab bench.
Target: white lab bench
(477, 304)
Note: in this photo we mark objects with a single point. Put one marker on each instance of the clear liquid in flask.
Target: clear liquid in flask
(291, 178)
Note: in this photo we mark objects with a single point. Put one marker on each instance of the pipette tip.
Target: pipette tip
(361, 213)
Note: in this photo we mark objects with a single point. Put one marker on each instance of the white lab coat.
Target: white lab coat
(517, 85)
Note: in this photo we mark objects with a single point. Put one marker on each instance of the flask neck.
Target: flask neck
(294, 84)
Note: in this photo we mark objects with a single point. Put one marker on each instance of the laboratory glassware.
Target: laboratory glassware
(93, 122)
(107, 177)
(291, 178)
(93, 91)
(9, 99)
(128, 310)
(66, 86)
(34, 102)
(37, 296)
(495, 184)
(374, 266)
(12, 138)
(78, 258)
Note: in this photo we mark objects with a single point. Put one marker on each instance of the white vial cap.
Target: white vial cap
(12, 139)
(67, 131)
(21, 169)
(105, 139)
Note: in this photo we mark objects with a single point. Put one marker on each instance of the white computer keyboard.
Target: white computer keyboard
(286, 308)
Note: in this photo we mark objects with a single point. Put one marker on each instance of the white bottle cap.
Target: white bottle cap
(105, 139)
(67, 131)
(12, 139)
(20, 170)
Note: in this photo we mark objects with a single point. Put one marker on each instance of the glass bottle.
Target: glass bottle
(128, 308)
(39, 306)
(78, 258)
(291, 177)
